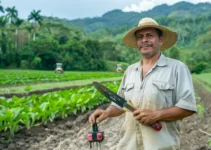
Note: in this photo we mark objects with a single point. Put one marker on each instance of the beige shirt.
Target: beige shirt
(167, 84)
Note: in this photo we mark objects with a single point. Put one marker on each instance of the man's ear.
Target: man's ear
(161, 40)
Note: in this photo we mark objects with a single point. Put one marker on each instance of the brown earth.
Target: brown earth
(71, 133)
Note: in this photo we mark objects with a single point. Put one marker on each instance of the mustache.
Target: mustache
(146, 45)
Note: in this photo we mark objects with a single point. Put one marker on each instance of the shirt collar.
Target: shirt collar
(161, 62)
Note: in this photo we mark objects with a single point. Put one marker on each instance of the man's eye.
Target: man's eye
(139, 37)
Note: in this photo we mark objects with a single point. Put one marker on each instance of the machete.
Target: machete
(121, 101)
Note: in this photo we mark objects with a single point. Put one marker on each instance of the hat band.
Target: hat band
(147, 24)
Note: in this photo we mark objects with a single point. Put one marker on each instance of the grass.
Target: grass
(204, 80)
(19, 77)
(205, 77)
(52, 85)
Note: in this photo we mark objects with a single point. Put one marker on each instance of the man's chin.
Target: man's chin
(146, 55)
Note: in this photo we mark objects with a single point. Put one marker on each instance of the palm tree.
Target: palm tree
(29, 29)
(12, 13)
(1, 8)
(17, 22)
(36, 20)
(3, 22)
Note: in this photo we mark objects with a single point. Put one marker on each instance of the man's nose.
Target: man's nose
(144, 39)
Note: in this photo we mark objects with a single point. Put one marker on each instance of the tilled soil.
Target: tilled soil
(193, 127)
(71, 133)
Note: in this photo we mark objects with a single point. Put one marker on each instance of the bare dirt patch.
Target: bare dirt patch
(192, 137)
(71, 133)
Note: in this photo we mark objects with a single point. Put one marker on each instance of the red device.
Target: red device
(95, 135)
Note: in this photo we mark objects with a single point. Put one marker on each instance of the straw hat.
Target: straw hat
(170, 37)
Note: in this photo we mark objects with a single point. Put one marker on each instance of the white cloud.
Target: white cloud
(142, 6)
(145, 5)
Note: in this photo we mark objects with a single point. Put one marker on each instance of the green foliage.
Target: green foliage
(174, 53)
(28, 88)
(201, 110)
(1, 8)
(42, 53)
(205, 77)
(117, 18)
(85, 55)
(14, 77)
(209, 143)
(24, 64)
(204, 41)
(198, 68)
(18, 113)
(85, 44)
(36, 62)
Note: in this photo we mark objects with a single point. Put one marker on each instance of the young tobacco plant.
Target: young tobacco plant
(17, 113)
(209, 143)
(201, 110)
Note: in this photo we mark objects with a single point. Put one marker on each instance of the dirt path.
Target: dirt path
(192, 137)
(71, 133)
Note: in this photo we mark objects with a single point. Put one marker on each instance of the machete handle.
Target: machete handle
(156, 125)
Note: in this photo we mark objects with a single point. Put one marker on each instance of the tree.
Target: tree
(29, 29)
(36, 20)
(199, 67)
(17, 22)
(44, 49)
(12, 13)
(204, 41)
(108, 50)
(174, 53)
(1, 8)
(58, 31)
(3, 22)
(93, 56)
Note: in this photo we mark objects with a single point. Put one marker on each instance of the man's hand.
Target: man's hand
(100, 114)
(145, 116)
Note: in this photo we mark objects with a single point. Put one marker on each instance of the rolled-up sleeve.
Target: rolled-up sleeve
(184, 89)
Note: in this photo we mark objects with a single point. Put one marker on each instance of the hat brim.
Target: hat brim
(170, 37)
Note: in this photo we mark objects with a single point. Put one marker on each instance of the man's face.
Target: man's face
(148, 42)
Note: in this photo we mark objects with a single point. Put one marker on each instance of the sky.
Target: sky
(75, 9)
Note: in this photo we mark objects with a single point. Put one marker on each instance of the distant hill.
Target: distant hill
(118, 18)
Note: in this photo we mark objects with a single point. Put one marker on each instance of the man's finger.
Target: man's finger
(91, 119)
(94, 115)
(136, 112)
(101, 117)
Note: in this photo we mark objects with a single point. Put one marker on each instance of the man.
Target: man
(159, 87)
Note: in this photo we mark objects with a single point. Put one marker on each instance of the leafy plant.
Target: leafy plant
(27, 88)
(201, 110)
(14, 77)
(17, 113)
(209, 143)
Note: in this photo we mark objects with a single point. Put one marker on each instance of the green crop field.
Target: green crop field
(17, 77)
(17, 113)
(24, 112)
(204, 79)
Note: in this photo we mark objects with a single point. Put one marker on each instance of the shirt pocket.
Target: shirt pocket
(166, 91)
(128, 91)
